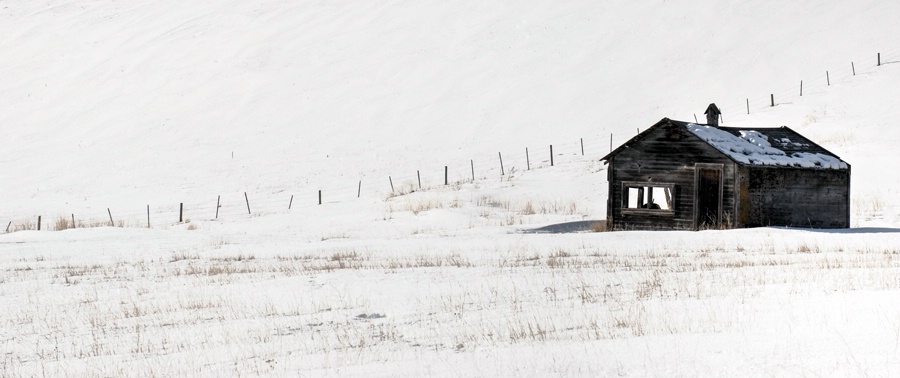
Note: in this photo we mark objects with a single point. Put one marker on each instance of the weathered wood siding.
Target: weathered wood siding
(666, 154)
(815, 198)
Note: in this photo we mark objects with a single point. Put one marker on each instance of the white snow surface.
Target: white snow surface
(123, 111)
(752, 147)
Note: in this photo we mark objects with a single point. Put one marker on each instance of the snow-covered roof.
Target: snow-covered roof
(753, 147)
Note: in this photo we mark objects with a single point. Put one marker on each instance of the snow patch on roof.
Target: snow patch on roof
(753, 148)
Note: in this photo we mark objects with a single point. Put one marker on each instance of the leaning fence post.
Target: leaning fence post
(358, 190)
(248, 202)
(291, 202)
(392, 183)
(853, 67)
(551, 154)
(111, 223)
(502, 172)
(218, 200)
(7, 226)
(827, 78)
(472, 163)
(582, 146)
(527, 159)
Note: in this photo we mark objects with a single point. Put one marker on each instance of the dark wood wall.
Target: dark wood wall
(815, 198)
(665, 154)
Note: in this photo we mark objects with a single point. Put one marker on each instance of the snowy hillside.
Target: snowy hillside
(126, 110)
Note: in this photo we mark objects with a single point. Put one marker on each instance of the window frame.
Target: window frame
(644, 186)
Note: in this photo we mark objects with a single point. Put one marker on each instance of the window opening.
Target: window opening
(648, 197)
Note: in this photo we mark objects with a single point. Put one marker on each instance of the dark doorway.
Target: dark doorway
(709, 197)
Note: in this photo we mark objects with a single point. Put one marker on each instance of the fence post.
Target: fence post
(39, 223)
(610, 138)
(181, 212)
(827, 78)
(73, 221)
(748, 106)
(879, 59)
(446, 181)
(320, 196)
(582, 146)
(472, 163)
(148, 216)
(418, 177)
(111, 223)
(527, 159)
(772, 98)
(551, 154)
(392, 183)
(853, 67)
(291, 202)
(358, 190)
(218, 201)
(801, 87)
(247, 199)
(695, 118)
(7, 226)
(502, 172)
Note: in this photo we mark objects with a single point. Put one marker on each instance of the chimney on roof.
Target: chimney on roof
(712, 115)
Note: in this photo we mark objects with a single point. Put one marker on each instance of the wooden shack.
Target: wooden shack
(687, 176)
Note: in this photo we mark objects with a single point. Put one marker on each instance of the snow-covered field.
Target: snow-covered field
(127, 110)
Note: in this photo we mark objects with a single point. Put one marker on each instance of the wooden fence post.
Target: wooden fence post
(853, 67)
(827, 78)
(418, 177)
(527, 159)
(748, 106)
(582, 146)
(320, 196)
(472, 163)
(772, 98)
(111, 223)
(610, 137)
(148, 216)
(392, 183)
(247, 199)
(502, 172)
(181, 212)
(879, 59)
(73, 221)
(218, 201)
(446, 180)
(7, 226)
(551, 154)
(39, 223)
(801, 88)
(291, 202)
(359, 189)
